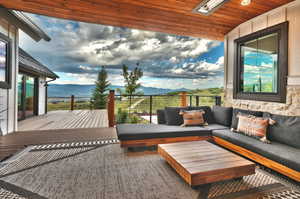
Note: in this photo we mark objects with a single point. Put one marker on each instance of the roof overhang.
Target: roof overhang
(24, 23)
(172, 16)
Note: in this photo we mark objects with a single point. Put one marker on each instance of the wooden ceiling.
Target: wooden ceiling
(169, 16)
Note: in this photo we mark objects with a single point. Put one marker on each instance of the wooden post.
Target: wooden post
(72, 103)
(183, 102)
(111, 108)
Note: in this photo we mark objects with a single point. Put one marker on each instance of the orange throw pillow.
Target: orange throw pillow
(254, 126)
(193, 118)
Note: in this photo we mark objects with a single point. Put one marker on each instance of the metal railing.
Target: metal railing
(68, 103)
(144, 107)
(134, 108)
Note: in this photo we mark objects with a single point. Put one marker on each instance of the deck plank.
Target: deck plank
(58, 127)
(66, 120)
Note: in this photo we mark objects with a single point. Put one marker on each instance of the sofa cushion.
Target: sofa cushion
(222, 115)
(286, 130)
(148, 131)
(208, 116)
(216, 127)
(236, 111)
(281, 153)
(161, 118)
(172, 115)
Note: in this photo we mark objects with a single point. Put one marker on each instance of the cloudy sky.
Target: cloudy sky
(77, 50)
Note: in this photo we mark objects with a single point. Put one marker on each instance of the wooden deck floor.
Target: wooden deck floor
(58, 127)
(14, 142)
(66, 120)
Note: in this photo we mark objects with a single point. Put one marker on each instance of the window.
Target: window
(5, 67)
(261, 65)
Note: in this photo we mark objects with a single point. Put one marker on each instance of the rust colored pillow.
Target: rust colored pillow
(254, 126)
(193, 118)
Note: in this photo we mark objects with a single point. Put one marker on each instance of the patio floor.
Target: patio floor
(58, 127)
(66, 120)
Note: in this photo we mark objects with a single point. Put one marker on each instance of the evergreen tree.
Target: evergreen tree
(99, 97)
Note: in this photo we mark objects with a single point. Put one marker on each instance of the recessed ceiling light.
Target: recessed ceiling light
(245, 2)
(206, 7)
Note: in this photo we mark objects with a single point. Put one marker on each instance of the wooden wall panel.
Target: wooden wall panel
(172, 16)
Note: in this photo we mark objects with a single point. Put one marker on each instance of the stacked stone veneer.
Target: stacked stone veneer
(291, 107)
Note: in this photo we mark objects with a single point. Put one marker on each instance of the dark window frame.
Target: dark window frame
(280, 95)
(7, 83)
(36, 94)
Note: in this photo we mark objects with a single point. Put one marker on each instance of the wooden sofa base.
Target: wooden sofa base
(156, 141)
(260, 159)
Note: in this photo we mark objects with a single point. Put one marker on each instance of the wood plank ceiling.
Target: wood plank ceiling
(169, 16)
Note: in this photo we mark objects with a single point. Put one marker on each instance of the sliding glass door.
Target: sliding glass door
(27, 96)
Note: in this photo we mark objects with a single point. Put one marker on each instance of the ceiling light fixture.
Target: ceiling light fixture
(207, 7)
(245, 2)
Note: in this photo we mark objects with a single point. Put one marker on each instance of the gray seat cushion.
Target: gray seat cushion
(284, 154)
(216, 127)
(222, 115)
(286, 130)
(148, 131)
(161, 118)
(172, 115)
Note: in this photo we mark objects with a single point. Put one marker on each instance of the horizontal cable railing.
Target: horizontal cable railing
(133, 108)
(143, 108)
(68, 103)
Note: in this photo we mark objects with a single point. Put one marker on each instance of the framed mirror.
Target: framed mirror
(5, 62)
(261, 65)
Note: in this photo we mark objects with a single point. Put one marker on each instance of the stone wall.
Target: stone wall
(291, 107)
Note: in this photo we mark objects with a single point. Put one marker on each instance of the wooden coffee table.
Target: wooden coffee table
(201, 162)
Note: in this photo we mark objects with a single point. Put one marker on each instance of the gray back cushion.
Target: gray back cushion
(286, 130)
(222, 115)
(208, 116)
(161, 118)
(236, 111)
(172, 115)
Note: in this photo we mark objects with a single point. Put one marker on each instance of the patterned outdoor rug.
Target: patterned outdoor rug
(109, 172)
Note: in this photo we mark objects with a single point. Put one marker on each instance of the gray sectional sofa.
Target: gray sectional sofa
(282, 154)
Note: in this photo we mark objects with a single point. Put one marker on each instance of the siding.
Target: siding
(289, 12)
(8, 97)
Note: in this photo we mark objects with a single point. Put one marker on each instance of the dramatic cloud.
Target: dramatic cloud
(77, 50)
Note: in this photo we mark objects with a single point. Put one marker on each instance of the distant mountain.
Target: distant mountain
(66, 90)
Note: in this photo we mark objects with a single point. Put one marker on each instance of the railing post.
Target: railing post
(183, 99)
(191, 100)
(218, 100)
(197, 101)
(150, 108)
(72, 103)
(111, 108)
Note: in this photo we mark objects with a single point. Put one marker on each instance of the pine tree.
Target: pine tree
(99, 98)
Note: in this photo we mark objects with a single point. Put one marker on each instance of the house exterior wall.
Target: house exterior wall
(42, 96)
(8, 97)
(289, 12)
